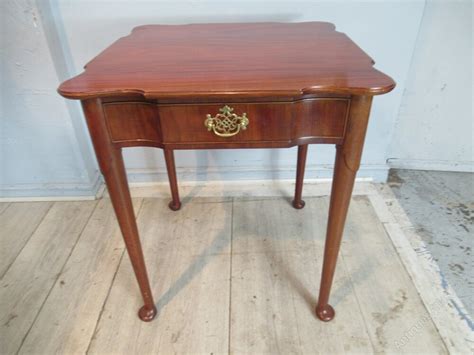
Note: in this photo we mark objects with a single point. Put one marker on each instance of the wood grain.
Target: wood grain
(185, 123)
(181, 126)
(28, 282)
(132, 122)
(221, 61)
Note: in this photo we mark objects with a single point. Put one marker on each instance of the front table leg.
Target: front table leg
(111, 164)
(347, 163)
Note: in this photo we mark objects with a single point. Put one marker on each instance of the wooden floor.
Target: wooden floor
(229, 275)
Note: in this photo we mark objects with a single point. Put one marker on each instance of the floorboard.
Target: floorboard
(70, 314)
(28, 281)
(229, 275)
(18, 222)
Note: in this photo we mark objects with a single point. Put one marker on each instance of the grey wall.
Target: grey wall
(435, 124)
(45, 150)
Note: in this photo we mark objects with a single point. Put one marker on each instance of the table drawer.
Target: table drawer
(319, 120)
(215, 123)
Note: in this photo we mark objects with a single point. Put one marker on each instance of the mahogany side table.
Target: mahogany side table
(214, 86)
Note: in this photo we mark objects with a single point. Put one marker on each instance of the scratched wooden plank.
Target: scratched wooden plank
(276, 267)
(28, 281)
(394, 314)
(71, 311)
(17, 223)
(188, 259)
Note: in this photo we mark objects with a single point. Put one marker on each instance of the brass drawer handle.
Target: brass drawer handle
(226, 123)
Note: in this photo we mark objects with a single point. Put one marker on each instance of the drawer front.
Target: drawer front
(320, 120)
(226, 123)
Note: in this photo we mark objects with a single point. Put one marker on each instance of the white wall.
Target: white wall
(69, 33)
(39, 151)
(435, 125)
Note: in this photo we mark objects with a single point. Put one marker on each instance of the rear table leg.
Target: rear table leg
(175, 203)
(298, 203)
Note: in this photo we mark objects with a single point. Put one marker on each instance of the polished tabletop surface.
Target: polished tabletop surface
(288, 60)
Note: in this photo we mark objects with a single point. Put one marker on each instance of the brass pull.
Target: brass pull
(226, 123)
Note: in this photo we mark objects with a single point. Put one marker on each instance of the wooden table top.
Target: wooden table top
(286, 60)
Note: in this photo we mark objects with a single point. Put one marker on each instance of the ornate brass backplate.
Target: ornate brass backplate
(226, 123)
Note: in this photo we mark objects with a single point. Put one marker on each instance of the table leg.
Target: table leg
(347, 163)
(175, 203)
(298, 203)
(111, 164)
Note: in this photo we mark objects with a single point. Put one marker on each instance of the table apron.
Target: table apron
(233, 125)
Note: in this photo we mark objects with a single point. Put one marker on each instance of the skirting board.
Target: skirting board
(436, 165)
(53, 191)
(254, 188)
(249, 177)
(375, 172)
